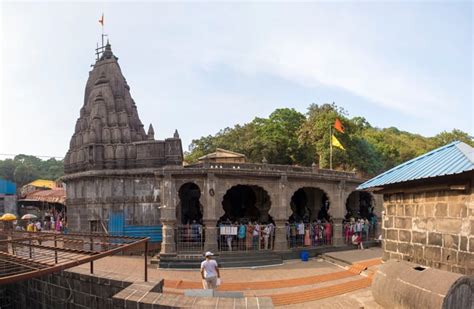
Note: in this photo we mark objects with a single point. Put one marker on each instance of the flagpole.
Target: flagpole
(330, 148)
(102, 23)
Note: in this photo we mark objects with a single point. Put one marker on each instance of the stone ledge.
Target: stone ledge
(140, 295)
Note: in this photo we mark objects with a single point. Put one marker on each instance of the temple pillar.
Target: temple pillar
(280, 242)
(210, 241)
(168, 243)
(338, 236)
(168, 214)
(337, 210)
(280, 210)
(210, 212)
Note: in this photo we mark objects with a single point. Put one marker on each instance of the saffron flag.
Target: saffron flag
(338, 125)
(101, 20)
(335, 142)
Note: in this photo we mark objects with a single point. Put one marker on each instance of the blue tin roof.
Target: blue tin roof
(454, 158)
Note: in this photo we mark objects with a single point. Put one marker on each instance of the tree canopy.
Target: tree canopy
(290, 137)
(286, 137)
(23, 169)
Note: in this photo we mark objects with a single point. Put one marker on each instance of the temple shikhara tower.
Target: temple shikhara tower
(109, 145)
(109, 133)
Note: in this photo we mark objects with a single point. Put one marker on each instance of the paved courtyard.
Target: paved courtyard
(295, 284)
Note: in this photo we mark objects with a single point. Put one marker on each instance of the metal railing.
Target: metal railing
(244, 237)
(25, 255)
(309, 234)
(189, 238)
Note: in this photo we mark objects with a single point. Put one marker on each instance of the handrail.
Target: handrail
(78, 257)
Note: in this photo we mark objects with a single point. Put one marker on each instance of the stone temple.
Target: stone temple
(120, 179)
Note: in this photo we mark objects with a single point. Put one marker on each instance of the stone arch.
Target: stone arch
(189, 208)
(360, 204)
(246, 202)
(309, 203)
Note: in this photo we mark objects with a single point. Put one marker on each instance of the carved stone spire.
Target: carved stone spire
(176, 134)
(109, 133)
(151, 132)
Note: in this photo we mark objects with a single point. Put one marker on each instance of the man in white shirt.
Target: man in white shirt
(267, 231)
(209, 272)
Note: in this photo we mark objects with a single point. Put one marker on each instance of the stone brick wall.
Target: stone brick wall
(104, 290)
(65, 290)
(94, 198)
(432, 228)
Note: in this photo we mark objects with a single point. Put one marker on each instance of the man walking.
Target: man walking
(209, 272)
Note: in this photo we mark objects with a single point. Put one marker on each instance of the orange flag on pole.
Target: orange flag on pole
(101, 20)
(338, 126)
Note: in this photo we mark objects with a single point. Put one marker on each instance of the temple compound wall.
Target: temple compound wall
(432, 225)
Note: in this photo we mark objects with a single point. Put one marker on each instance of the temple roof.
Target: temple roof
(454, 158)
(222, 153)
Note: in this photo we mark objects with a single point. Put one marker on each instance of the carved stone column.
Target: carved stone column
(281, 243)
(210, 241)
(280, 211)
(168, 244)
(168, 215)
(337, 237)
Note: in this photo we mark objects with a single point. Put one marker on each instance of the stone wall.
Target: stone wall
(95, 198)
(431, 227)
(66, 289)
(103, 290)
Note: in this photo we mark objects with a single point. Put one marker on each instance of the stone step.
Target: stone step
(223, 264)
(319, 293)
(265, 285)
(225, 260)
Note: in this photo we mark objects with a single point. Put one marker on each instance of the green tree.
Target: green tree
(445, 138)
(316, 129)
(277, 137)
(7, 169)
(25, 173)
(289, 137)
(25, 168)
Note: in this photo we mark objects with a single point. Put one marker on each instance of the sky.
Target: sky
(202, 66)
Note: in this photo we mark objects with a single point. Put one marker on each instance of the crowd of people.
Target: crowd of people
(355, 231)
(53, 221)
(317, 233)
(245, 235)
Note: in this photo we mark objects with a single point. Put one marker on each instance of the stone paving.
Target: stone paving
(352, 256)
(295, 284)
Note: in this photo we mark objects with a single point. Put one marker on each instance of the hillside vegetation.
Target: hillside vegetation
(286, 137)
(290, 137)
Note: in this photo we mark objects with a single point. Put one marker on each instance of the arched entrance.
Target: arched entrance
(246, 203)
(189, 231)
(360, 217)
(309, 204)
(309, 224)
(189, 209)
(360, 205)
(246, 223)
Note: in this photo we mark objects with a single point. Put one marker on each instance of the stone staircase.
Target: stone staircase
(224, 259)
(295, 290)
